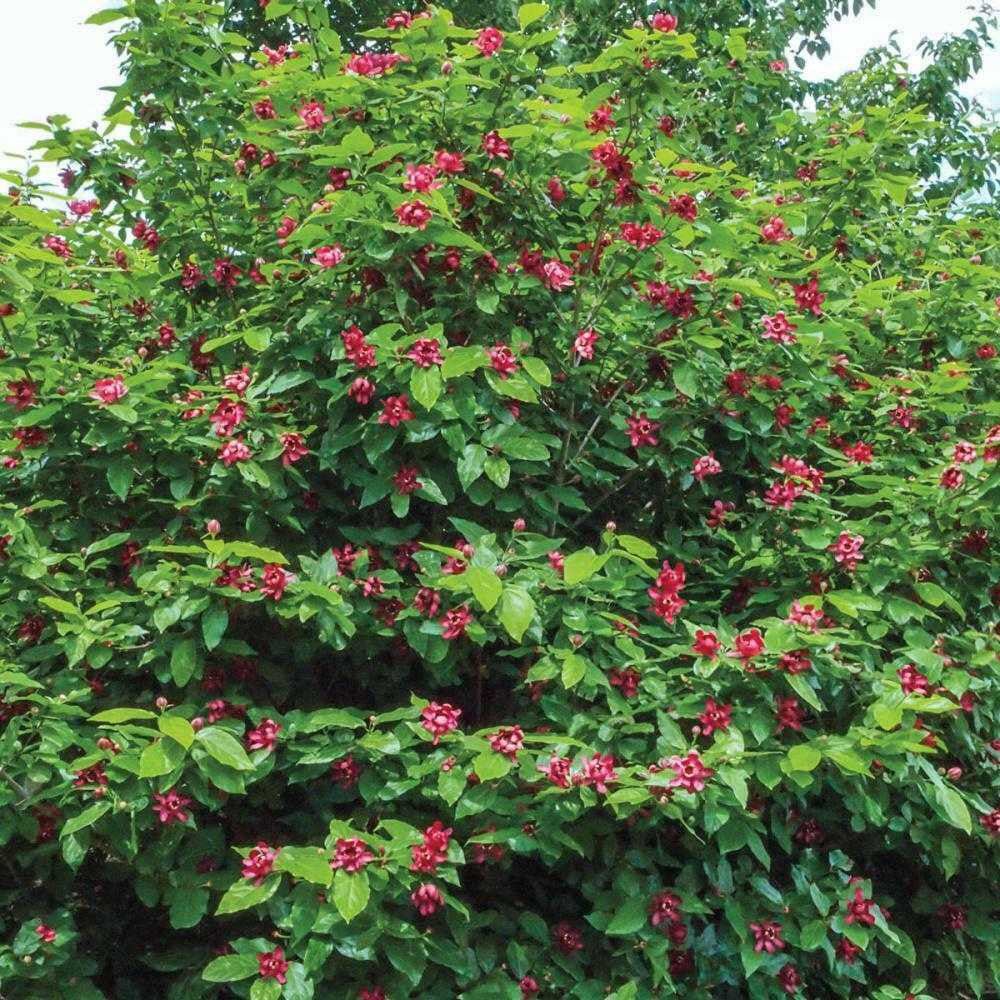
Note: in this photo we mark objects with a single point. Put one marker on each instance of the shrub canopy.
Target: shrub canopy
(477, 525)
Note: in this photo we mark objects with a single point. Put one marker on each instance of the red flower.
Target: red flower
(502, 360)
(556, 191)
(952, 478)
(405, 480)
(395, 410)
(596, 771)
(706, 644)
(795, 662)
(234, 451)
(809, 298)
(259, 863)
(264, 736)
(912, 680)
(496, 147)
(775, 230)
(23, 394)
(351, 854)
(439, 719)
(109, 390)
(778, 328)
(414, 214)
(449, 163)
(455, 622)
(642, 430)
(373, 63)
(329, 255)
(313, 115)
(566, 938)
(847, 951)
(58, 245)
(859, 910)
(627, 681)
(689, 772)
(767, 937)
(665, 593)
(362, 391)
(46, 933)
(789, 978)
(345, 772)
(684, 206)
(847, 550)
(489, 41)
(529, 987)
(663, 22)
(426, 353)
(991, 823)
(508, 741)
(422, 177)
(749, 644)
(664, 908)
(427, 899)
(706, 465)
(789, 714)
(293, 448)
(170, 807)
(583, 344)
(272, 965)
(715, 716)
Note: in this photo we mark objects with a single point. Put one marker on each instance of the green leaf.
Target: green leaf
(107, 16)
(224, 748)
(489, 765)
(183, 661)
(111, 542)
(686, 380)
(265, 989)
(573, 669)
(230, 968)
(187, 906)
(487, 300)
(517, 610)
(87, 818)
(528, 13)
(357, 142)
(451, 784)
(804, 757)
(954, 807)
(497, 470)
(471, 464)
(425, 385)
(485, 585)
(463, 360)
(244, 894)
(630, 917)
(309, 863)
(350, 893)
(115, 715)
(538, 370)
(813, 935)
(177, 729)
(582, 565)
(803, 689)
(120, 474)
(637, 546)
(160, 758)
(214, 623)
(736, 46)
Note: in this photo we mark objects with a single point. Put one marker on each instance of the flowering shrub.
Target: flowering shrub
(465, 534)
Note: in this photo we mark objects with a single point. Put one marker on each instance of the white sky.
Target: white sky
(60, 64)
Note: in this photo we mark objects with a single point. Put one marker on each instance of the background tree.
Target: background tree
(483, 522)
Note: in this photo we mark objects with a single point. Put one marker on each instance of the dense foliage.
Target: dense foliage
(477, 525)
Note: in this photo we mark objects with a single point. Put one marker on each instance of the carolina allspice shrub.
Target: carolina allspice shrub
(466, 535)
